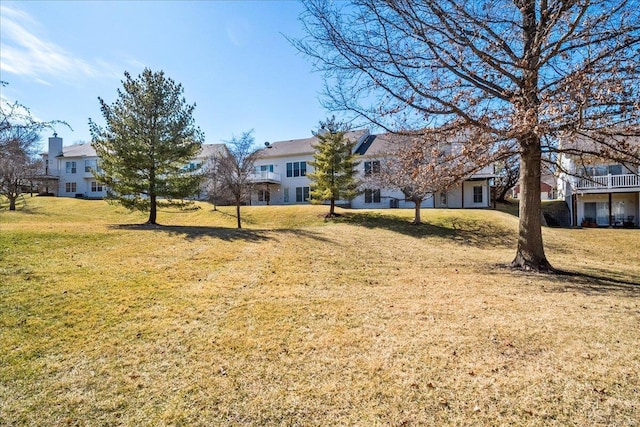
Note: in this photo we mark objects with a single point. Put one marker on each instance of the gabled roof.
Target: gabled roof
(295, 147)
(209, 150)
(78, 150)
(86, 150)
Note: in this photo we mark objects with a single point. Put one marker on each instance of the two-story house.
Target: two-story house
(473, 192)
(280, 176)
(599, 192)
(68, 170)
(281, 169)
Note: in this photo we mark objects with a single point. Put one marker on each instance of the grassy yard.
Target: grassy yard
(294, 320)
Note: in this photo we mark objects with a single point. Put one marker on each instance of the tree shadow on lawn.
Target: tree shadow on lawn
(223, 233)
(602, 281)
(465, 231)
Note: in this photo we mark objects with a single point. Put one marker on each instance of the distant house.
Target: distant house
(280, 177)
(68, 170)
(548, 188)
(599, 192)
(473, 192)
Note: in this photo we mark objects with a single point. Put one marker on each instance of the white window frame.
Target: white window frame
(478, 197)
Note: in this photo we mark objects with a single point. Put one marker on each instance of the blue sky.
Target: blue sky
(230, 56)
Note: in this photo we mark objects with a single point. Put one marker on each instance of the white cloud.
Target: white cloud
(22, 52)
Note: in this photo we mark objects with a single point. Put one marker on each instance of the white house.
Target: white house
(473, 192)
(69, 169)
(281, 169)
(599, 192)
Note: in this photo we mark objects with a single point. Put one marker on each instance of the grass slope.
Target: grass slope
(294, 320)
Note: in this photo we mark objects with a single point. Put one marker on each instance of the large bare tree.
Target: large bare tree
(517, 74)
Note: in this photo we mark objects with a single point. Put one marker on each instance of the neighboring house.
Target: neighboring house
(279, 178)
(599, 192)
(281, 169)
(548, 188)
(69, 169)
(473, 192)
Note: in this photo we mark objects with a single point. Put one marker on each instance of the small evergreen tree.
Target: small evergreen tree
(334, 174)
(149, 139)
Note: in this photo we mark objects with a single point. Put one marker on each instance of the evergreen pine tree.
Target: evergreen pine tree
(334, 166)
(149, 139)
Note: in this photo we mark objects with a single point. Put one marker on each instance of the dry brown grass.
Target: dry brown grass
(365, 320)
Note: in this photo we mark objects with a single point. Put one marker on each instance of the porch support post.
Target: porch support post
(574, 210)
(462, 204)
(268, 195)
(610, 210)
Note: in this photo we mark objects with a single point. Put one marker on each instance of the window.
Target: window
(263, 168)
(71, 167)
(601, 170)
(286, 195)
(264, 196)
(443, 199)
(89, 165)
(296, 169)
(371, 167)
(371, 196)
(615, 169)
(70, 187)
(477, 194)
(95, 187)
(597, 211)
(302, 194)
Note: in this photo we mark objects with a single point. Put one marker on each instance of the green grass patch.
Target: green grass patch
(296, 320)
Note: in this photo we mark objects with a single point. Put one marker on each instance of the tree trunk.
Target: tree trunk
(12, 203)
(417, 220)
(503, 194)
(153, 210)
(530, 253)
(238, 214)
(332, 207)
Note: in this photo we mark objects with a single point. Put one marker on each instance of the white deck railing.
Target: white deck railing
(265, 176)
(610, 181)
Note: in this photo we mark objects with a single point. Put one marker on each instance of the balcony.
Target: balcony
(609, 182)
(265, 177)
